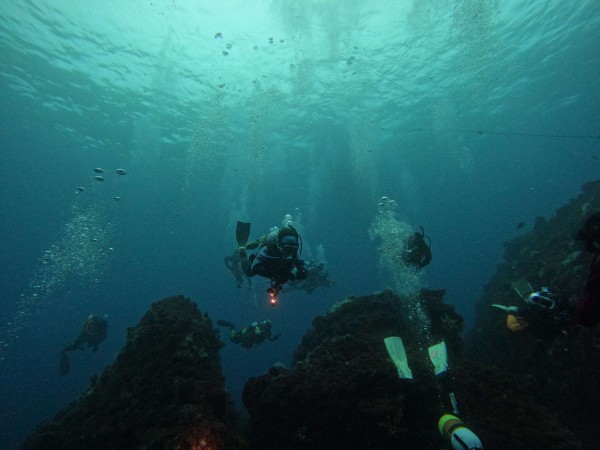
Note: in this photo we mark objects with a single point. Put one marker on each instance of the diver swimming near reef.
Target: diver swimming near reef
(418, 252)
(545, 312)
(548, 312)
(277, 256)
(251, 336)
(92, 333)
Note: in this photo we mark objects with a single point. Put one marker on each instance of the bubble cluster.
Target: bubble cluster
(392, 236)
(81, 253)
(287, 220)
(265, 109)
(208, 152)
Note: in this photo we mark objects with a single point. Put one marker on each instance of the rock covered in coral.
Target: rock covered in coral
(343, 391)
(561, 367)
(164, 391)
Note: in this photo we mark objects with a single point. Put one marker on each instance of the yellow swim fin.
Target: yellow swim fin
(395, 348)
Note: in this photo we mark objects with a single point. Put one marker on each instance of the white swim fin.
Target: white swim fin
(439, 357)
(395, 348)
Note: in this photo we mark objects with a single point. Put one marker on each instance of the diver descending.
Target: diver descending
(277, 257)
(417, 252)
(404, 253)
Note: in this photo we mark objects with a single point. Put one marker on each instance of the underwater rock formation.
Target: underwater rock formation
(561, 369)
(343, 391)
(164, 391)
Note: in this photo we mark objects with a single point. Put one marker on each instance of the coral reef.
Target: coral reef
(343, 391)
(164, 391)
(515, 391)
(561, 368)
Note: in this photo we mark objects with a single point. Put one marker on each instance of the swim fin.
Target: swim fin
(395, 348)
(509, 309)
(522, 287)
(223, 323)
(242, 233)
(439, 357)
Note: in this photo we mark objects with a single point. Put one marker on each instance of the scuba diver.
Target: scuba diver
(92, 333)
(276, 259)
(251, 336)
(546, 313)
(452, 429)
(587, 309)
(317, 277)
(418, 252)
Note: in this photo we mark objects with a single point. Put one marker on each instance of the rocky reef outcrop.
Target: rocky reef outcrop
(560, 369)
(164, 391)
(343, 391)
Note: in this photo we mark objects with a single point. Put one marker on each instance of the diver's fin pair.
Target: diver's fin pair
(395, 348)
(242, 233)
(522, 287)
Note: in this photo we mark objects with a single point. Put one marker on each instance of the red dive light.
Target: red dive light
(273, 291)
(273, 301)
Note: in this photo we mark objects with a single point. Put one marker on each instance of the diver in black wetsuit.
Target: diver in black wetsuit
(277, 257)
(92, 333)
(251, 336)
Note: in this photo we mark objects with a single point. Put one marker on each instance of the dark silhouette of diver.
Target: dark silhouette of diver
(418, 252)
(92, 333)
(251, 336)
(546, 313)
